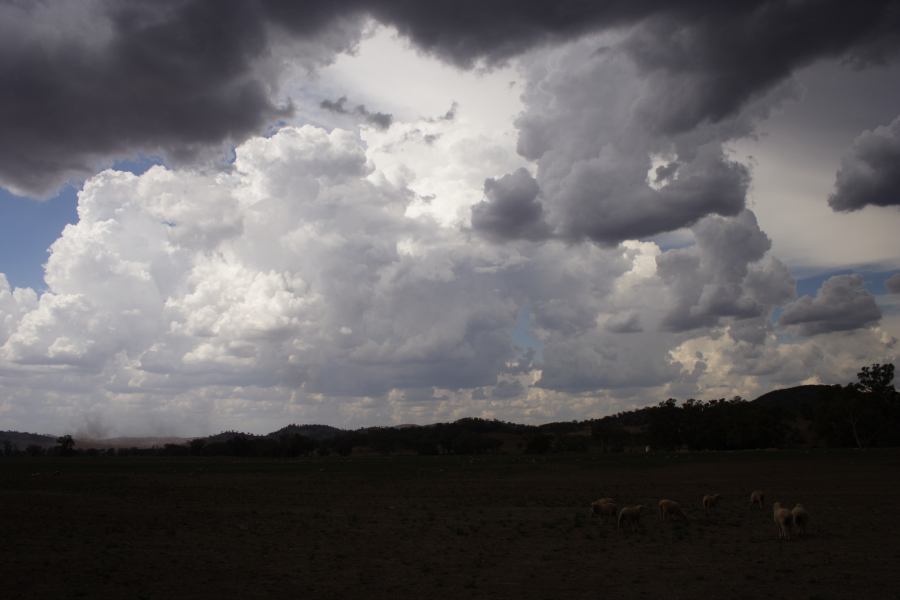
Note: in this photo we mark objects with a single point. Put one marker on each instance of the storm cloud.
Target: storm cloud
(88, 83)
(710, 64)
(91, 82)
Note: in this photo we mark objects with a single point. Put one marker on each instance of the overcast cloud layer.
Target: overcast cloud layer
(380, 268)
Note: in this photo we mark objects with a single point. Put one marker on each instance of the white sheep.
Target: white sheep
(801, 518)
(783, 521)
(631, 516)
(757, 497)
(604, 507)
(710, 501)
(669, 509)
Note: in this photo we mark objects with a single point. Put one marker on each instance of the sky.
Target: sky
(221, 215)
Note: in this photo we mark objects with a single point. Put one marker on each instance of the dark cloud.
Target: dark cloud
(88, 82)
(665, 173)
(869, 173)
(841, 304)
(378, 119)
(596, 156)
(512, 209)
(709, 62)
(893, 284)
(598, 208)
(767, 37)
(175, 77)
(464, 32)
(711, 57)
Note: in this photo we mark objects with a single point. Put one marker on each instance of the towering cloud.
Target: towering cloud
(293, 270)
(723, 275)
(595, 153)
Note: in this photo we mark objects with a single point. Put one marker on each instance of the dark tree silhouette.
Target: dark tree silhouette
(65, 445)
(877, 379)
(871, 403)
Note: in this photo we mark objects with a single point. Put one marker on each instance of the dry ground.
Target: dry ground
(445, 527)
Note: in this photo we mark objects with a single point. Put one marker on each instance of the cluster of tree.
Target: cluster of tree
(696, 425)
(861, 414)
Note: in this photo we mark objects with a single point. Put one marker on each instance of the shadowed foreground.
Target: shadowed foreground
(445, 527)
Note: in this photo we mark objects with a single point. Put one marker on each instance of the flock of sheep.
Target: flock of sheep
(629, 517)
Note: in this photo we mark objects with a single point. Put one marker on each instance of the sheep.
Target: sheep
(605, 507)
(631, 516)
(710, 501)
(669, 509)
(801, 518)
(758, 497)
(783, 521)
(595, 505)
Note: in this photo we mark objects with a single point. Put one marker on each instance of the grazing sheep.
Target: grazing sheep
(801, 518)
(631, 516)
(710, 501)
(605, 508)
(669, 509)
(758, 497)
(783, 521)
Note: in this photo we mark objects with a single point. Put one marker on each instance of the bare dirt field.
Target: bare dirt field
(446, 527)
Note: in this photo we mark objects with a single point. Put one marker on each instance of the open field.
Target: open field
(445, 527)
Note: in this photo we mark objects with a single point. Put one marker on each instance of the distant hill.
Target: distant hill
(22, 440)
(801, 398)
